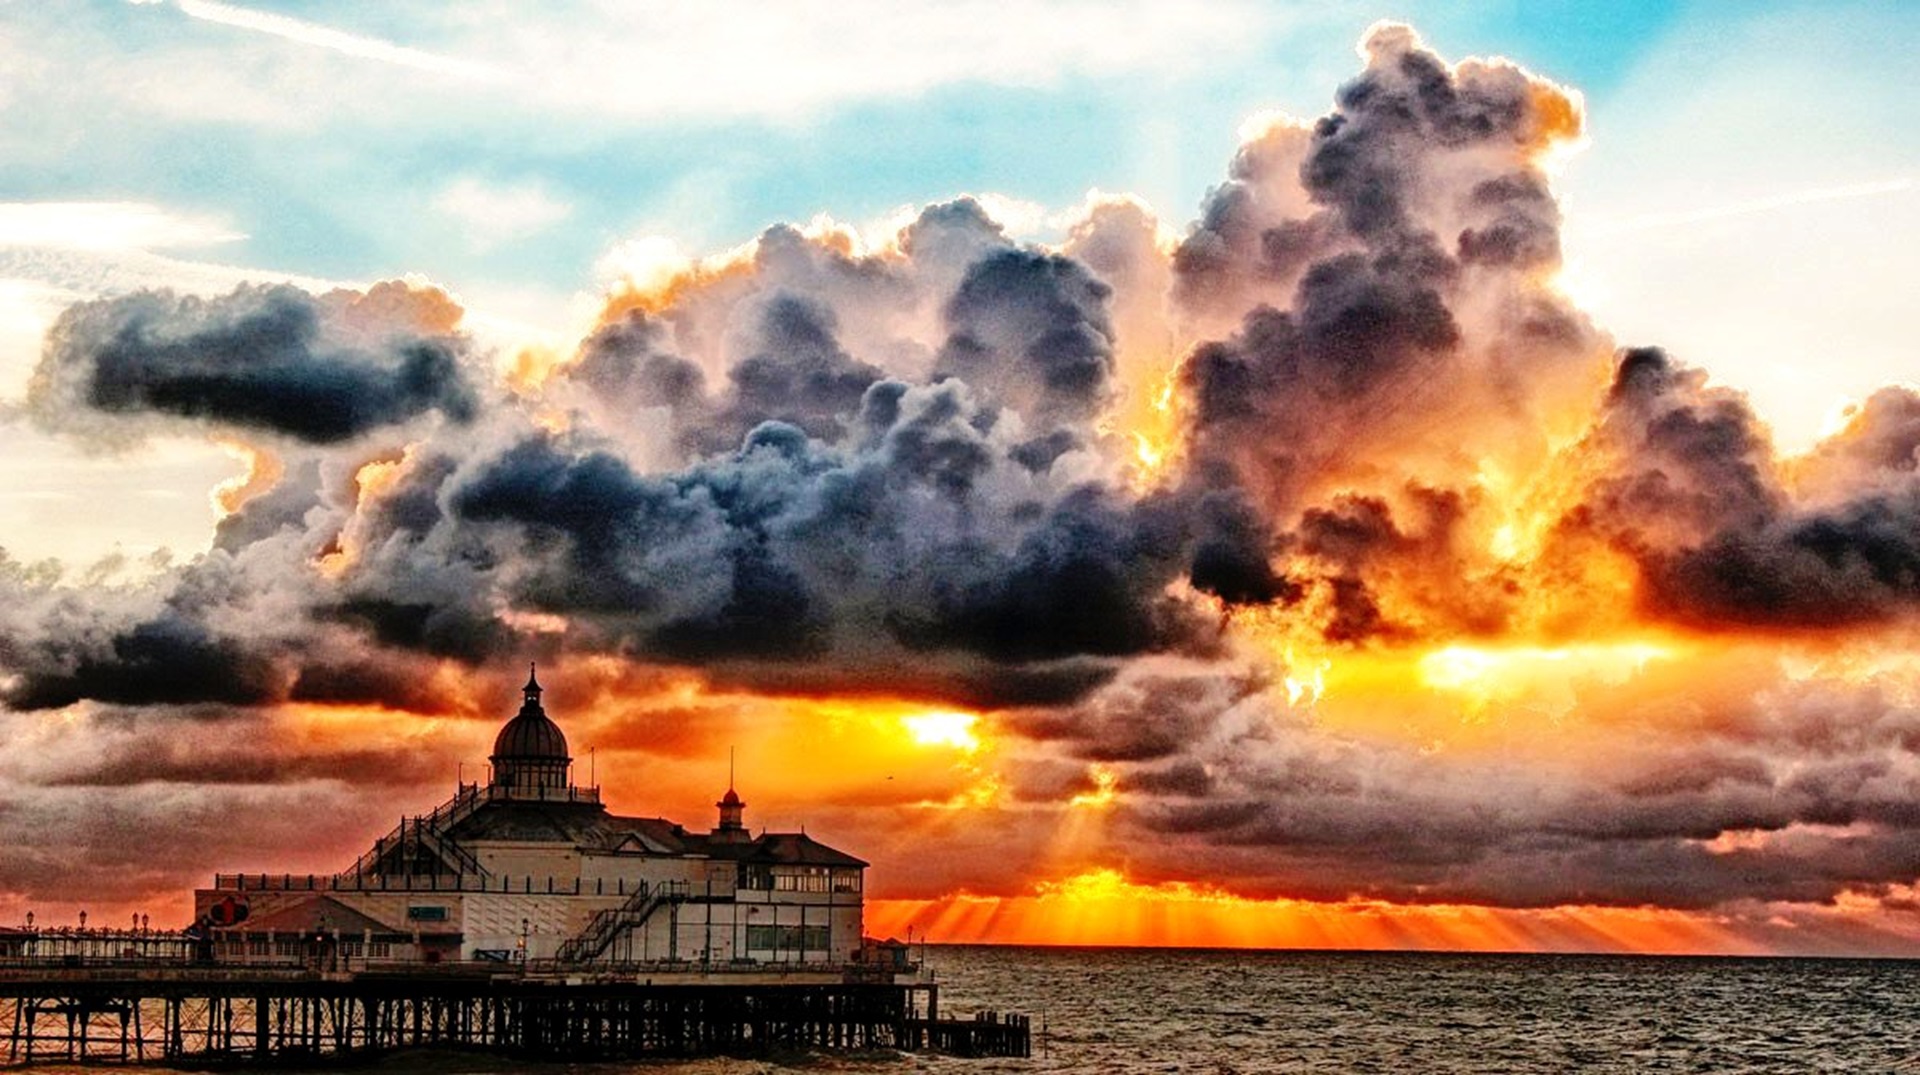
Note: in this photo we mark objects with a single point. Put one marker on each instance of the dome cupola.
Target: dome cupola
(531, 752)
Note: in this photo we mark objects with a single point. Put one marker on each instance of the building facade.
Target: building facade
(531, 867)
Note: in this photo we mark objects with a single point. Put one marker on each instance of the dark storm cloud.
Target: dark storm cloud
(795, 372)
(1418, 547)
(1694, 460)
(814, 467)
(224, 748)
(1369, 175)
(953, 235)
(790, 549)
(1410, 104)
(1233, 556)
(1032, 330)
(1855, 564)
(1767, 790)
(273, 359)
(1086, 580)
(1523, 231)
(1375, 280)
(367, 678)
(1256, 233)
(282, 508)
(1367, 337)
(1694, 495)
(166, 660)
(853, 519)
(629, 363)
(1140, 719)
(1880, 440)
(1265, 400)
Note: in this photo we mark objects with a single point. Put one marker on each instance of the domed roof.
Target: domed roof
(531, 735)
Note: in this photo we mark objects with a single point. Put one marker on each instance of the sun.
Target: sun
(947, 729)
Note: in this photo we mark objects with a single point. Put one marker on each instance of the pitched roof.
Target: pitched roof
(539, 822)
(589, 827)
(797, 849)
(309, 915)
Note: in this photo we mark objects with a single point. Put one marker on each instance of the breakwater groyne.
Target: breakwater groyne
(203, 1016)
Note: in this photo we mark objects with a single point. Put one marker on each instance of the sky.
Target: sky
(1258, 474)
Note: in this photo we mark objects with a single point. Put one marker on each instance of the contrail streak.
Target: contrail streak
(308, 33)
(1650, 221)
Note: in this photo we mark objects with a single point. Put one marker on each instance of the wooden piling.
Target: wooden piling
(233, 1015)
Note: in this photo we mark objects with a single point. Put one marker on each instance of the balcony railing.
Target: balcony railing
(423, 882)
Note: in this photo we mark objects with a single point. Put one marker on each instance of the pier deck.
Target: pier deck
(210, 1015)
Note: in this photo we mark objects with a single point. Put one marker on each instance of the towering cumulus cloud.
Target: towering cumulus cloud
(1323, 551)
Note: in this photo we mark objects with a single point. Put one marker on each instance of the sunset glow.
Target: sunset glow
(1101, 907)
(943, 729)
(1477, 507)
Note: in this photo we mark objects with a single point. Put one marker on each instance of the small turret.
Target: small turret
(732, 829)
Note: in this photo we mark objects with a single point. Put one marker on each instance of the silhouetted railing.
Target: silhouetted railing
(528, 884)
(428, 831)
(610, 923)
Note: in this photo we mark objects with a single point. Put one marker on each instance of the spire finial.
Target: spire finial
(730, 751)
(533, 682)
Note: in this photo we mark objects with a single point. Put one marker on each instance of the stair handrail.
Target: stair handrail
(469, 798)
(599, 931)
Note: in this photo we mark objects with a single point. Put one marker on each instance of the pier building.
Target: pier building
(530, 866)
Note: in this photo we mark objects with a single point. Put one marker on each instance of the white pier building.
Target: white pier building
(531, 867)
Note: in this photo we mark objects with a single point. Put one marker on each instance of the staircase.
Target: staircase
(610, 923)
(427, 831)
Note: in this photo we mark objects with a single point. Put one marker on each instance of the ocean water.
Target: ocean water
(1114, 1011)
(1127, 1011)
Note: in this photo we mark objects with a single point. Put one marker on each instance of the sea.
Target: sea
(1101, 1011)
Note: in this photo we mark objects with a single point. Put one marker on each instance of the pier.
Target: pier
(520, 917)
(189, 1018)
(141, 1012)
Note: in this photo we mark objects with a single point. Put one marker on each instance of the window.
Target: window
(803, 879)
(787, 938)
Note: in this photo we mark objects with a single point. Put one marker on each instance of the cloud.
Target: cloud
(493, 214)
(1697, 498)
(1779, 791)
(1127, 497)
(684, 60)
(315, 35)
(106, 226)
(274, 359)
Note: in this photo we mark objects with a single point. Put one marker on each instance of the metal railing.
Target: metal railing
(429, 829)
(604, 926)
(525, 884)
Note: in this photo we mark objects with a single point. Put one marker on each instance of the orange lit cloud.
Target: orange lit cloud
(1102, 908)
(1317, 575)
